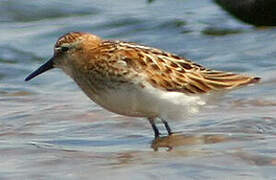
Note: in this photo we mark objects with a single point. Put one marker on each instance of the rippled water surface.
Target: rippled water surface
(50, 130)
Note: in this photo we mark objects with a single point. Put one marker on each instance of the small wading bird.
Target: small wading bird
(136, 80)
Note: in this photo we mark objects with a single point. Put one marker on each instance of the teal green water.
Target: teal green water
(50, 130)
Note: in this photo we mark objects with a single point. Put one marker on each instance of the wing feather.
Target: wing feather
(173, 73)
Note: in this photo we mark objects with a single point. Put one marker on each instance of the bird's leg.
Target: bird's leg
(167, 126)
(155, 129)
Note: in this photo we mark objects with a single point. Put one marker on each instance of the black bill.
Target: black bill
(45, 67)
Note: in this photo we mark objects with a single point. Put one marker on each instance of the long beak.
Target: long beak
(45, 67)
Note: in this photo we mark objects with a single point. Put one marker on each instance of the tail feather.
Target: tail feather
(225, 80)
(218, 80)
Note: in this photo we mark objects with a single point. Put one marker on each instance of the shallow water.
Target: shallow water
(50, 130)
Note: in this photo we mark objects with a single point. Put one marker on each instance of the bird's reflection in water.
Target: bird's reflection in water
(177, 140)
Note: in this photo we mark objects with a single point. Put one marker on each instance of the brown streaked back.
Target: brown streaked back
(173, 73)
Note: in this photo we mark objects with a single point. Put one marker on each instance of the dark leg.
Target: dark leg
(167, 126)
(155, 129)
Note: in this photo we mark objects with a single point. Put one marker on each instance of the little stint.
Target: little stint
(136, 80)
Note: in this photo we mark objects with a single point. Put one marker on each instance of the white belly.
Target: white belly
(147, 102)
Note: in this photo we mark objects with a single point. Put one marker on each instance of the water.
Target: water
(50, 130)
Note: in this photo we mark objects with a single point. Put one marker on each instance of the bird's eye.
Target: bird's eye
(64, 49)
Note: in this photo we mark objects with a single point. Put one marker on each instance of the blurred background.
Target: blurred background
(50, 130)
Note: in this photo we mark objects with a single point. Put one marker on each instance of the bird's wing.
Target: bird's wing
(173, 73)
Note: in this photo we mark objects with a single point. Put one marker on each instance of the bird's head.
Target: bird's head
(70, 49)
